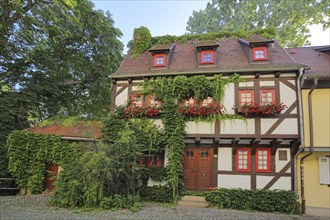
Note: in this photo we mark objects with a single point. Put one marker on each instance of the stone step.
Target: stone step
(193, 201)
(193, 198)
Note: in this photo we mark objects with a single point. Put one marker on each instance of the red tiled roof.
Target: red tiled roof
(80, 130)
(183, 60)
(319, 62)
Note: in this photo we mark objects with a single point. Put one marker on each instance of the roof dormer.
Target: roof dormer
(257, 49)
(160, 55)
(207, 52)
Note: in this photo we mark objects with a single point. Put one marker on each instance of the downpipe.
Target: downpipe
(311, 134)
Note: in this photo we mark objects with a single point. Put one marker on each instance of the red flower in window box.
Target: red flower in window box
(250, 109)
(195, 110)
(145, 111)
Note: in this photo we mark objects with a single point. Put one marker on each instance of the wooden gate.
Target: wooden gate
(51, 176)
(197, 164)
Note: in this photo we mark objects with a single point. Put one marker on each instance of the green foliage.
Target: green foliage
(259, 200)
(156, 173)
(57, 55)
(118, 202)
(29, 153)
(157, 194)
(142, 40)
(68, 121)
(290, 18)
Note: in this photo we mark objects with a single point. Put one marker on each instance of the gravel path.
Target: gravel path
(35, 207)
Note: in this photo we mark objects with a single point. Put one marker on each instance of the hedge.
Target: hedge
(280, 201)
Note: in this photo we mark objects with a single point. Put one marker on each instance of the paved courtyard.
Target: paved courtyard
(35, 207)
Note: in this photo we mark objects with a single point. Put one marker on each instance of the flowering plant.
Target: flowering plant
(253, 108)
(200, 110)
(142, 111)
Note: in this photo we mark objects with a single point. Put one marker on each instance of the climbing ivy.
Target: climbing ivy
(142, 39)
(29, 153)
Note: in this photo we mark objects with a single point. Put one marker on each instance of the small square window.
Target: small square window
(267, 97)
(207, 57)
(137, 100)
(260, 53)
(152, 101)
(159, 60)
(282, 155)
(246, 97)
(207, 101)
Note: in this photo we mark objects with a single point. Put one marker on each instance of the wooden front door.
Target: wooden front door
(51, 176)
(198, 168)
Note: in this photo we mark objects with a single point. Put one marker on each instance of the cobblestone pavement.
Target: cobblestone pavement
(35, 207)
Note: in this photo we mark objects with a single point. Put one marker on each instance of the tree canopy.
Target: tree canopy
(55, 58)
(290, 18)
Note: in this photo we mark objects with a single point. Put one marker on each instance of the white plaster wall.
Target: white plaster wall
(293, 82)
(267, 83)
(288, 75)
(288, 126)
(225, 159)
(159, 123)
(135, 88)
(234, 181)
(283, 183)
(262, 181)
(266, 76)
(156, 183)
(122, 97)
(266, 123)
(201, 127)
(166, 157)
(238, 126)
(279, 164)
(229, 99)
(137, 81)
(246, 84)
(287, 95)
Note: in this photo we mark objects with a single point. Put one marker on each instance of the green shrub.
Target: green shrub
(157, 193)
(118, 202)
(259, 200)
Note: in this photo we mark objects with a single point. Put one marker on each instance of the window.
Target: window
(190, 101)
(204, 153)
(153, 160)
(159, 60)
(259, 53)
(137, 100)
(324, 170)
(243, 159)
(207, 101)
(267, 97)
(152, 101)
(207, 56)
(282, 155)
(263, 160)
(189, 153)
(246, 96)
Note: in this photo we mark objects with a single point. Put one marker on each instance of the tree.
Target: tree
(55, 58)
(60, 53)
(290, 18)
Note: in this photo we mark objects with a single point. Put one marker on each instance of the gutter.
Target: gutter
(311, 132)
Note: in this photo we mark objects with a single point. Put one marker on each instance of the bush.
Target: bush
(259, 200)
(157, 194)
(118, 202)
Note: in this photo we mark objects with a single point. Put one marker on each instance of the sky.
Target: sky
(164, 17)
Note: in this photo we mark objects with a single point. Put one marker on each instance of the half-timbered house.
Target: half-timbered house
(254, 153)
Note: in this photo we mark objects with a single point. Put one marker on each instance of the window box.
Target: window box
(254, 109)
(204, 109)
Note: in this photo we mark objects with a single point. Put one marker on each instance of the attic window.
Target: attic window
(259, 53)
(159, 60)
(207, 57)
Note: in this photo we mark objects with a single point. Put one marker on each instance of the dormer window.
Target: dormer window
(207, 57)
(159, 60)
(259, 53)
